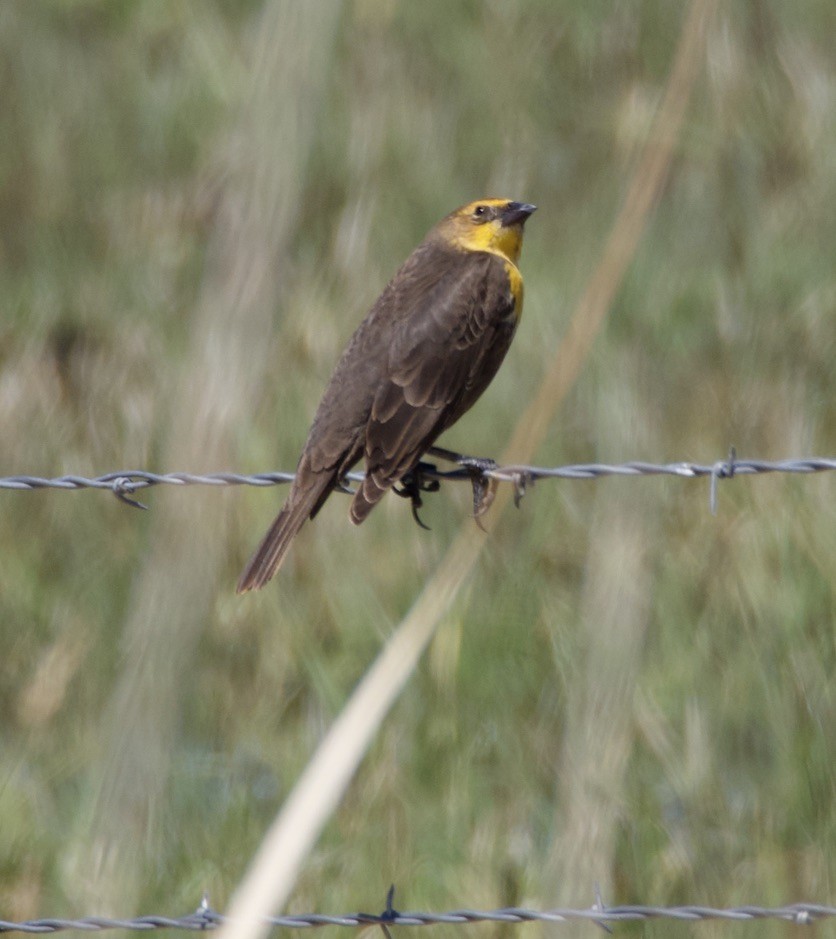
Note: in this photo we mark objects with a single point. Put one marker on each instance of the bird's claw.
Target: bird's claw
(416, 504)
(413, 484)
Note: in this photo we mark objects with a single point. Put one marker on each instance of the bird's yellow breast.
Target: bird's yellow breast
(515, 284)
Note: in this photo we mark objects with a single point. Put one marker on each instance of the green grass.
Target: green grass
(629, 690)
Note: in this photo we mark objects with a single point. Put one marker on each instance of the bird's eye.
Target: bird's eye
(480, 212)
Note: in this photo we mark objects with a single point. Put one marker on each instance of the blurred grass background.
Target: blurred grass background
(198, 202)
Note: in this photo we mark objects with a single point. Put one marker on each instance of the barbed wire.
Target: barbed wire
(205, 918)
(123, 484)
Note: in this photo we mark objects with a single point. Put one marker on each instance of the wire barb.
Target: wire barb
(389, 915)
(721, 470)
(599, 906)
(121, 487)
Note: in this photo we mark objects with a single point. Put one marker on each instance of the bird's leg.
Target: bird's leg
(477, 467)
(461, 459)
(480, 464)
(413, 484)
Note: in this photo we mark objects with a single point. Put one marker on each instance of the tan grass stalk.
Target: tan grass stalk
(276, 864)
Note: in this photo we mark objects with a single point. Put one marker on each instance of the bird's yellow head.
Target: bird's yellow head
(494, 225)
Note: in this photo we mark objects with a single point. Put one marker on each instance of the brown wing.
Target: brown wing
(455, 322)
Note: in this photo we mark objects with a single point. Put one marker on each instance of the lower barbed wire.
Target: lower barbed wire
(205, 917)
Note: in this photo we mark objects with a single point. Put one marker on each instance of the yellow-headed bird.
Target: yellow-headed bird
(422, 356)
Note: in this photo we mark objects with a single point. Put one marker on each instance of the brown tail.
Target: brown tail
(370, 492)
(270, 553)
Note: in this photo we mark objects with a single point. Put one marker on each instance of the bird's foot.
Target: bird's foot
(484, 486)
(413, 484)
(477, 468)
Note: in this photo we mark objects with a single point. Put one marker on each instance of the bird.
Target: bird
(425, 352)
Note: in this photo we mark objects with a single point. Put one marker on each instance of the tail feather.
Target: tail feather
(370, 492)
(270, 554)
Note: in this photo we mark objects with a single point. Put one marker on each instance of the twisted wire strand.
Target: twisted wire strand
(125, 482)
(205, 918)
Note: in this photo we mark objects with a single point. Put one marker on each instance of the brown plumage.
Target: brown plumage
(422, 356)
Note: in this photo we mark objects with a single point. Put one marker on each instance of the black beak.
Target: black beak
(515, 213)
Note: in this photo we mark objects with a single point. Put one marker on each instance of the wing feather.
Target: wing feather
(448, 340)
